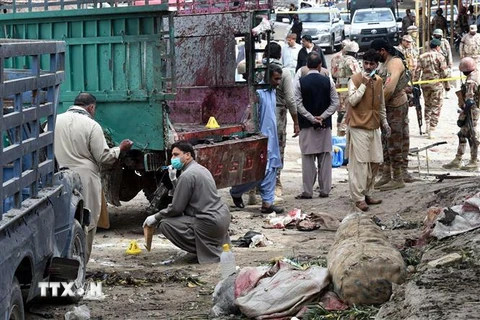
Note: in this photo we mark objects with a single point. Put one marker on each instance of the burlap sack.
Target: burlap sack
(362, 263)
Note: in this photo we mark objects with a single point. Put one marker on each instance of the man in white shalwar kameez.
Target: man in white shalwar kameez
(366, 114)
(80, 146)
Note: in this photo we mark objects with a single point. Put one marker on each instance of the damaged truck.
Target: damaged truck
(159, 70)
(42, 218)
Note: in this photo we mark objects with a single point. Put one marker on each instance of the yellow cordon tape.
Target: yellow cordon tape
(418, 82)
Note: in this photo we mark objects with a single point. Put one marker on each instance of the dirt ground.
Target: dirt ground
(164, 284)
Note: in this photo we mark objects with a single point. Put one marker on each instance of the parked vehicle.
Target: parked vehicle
(353, 5)
(42, 218)
(346, 20)
(370, 24)
(325, 25)
(155, 83)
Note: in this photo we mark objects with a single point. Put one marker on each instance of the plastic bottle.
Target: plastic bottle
(227, 261)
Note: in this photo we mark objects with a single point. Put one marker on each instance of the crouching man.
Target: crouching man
(197, 220)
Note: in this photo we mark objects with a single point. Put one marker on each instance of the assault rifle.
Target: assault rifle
(418, 106)
(469, 121)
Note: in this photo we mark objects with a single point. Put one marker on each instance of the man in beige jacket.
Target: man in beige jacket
(80, 146)
(366, 116)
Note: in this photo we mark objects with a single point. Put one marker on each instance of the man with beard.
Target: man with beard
(366, 115)
(395, 148)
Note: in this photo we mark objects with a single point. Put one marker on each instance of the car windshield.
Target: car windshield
(372, 16)
(315, 17)
(434, 11)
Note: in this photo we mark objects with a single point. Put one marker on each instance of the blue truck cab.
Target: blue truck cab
(42, 218)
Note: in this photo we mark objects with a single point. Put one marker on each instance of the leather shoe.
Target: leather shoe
(362, 205)
(323, 195)
(238, 202)
(271, 209)
(302, 196)
(370, 200)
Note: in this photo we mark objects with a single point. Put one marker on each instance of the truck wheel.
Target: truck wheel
(16, 311)
(77, 251)
(160, 199)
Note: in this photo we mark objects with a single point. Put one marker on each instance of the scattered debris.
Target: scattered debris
(358, 313)
(79, 313)
(445, 260)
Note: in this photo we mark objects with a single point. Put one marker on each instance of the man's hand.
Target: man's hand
(296, 129)
(172, 173)
(126, 145)
(150, 221)
(365, 78)
(386, 130)
(319, 119)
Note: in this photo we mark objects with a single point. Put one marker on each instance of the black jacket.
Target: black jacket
(303, 55)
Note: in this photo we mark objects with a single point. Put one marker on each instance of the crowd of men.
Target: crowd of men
(372, 112)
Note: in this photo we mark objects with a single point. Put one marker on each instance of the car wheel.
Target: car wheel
(16, 311)
(331, 48)
(78, 251)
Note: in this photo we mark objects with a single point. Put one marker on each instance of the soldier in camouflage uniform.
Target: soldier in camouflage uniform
(468, 102)
(445, 47)
(396, 79)
(470, 45)
(343, 69)
(285, 101)
(410, 53)
(439, 21)
(432, 65)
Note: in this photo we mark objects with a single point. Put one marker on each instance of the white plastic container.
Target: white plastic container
(227, 261)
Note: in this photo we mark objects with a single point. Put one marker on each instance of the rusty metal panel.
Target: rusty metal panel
(190, 134)
(197, 105)
(235, 162)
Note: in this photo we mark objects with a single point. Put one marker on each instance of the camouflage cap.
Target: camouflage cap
(407, 38)
(352, 46)
(435, 43)
(438, 32)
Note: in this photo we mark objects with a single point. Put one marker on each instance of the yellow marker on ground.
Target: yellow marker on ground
(133, 248)
(212, 123)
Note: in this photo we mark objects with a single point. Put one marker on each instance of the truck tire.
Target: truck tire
(16, 311)
(160, 199)
(77, 251)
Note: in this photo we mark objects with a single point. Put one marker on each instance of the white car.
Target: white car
(324, 25)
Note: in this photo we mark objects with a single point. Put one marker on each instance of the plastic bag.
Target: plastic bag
(78, 313)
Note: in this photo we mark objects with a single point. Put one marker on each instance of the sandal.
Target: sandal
(238, 202)
(362, 205)
(271, 209)
(302, 196)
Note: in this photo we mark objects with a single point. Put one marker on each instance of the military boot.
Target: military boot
(407, 177)
(386, 177)
(430, 133)
(396, 182)
(471, 166)
(454, 164)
